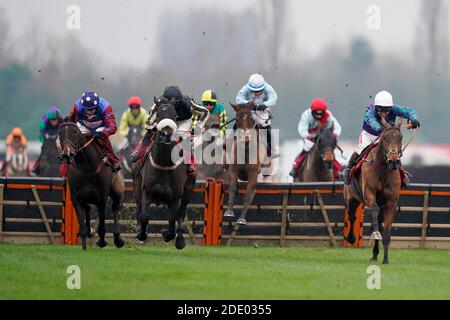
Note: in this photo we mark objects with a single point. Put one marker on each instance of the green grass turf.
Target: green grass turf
(162, 272)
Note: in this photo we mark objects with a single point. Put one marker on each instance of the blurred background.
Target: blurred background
(304, 49)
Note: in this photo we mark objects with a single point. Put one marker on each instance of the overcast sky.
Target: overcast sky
(123, 32)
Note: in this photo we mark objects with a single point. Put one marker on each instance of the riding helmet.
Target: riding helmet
(90, 100)
(209, 96)
(173, 92)
(318, 104)
(134, 100)
(256, 82)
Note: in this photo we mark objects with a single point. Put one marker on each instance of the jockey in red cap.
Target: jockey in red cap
(311, 120)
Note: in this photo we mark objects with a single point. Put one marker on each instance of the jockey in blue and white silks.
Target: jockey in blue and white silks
(311, 121)
(264, 97)
(383, 107)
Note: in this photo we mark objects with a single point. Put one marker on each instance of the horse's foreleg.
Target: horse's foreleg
(118, 241)
(249, 195)
(371, 207)
(90, 230)
(388, 220)
(101, 206)
(81, 216)
(180, 241)
(232, 189)
(376, 250)
(170, 233)
(352, 205)
(143, 217)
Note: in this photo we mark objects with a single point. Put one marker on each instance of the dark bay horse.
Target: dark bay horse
(211, 138)
(48, 162)
(133, 137)
(319, 163)
(379, 182)
(90, 182)
(163, 178)
(248, 168)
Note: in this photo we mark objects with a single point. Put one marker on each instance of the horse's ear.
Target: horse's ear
(250, 104)
(234, 106)
(399, 122)
(59, 118)
(155, 100)
(66, 119)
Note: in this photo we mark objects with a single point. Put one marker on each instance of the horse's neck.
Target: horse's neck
(317, 163)
(162, 154)
(88, 158)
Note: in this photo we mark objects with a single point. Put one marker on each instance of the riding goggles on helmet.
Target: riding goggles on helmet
(383, 109)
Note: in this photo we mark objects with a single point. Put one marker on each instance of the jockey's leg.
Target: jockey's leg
(143, 144)
(184, 126)
(112, 158)
(272, 151)
(305, 147)
(365, 139)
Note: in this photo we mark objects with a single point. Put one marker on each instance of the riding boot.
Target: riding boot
(146, 140)
(345, 174)
(272, 151)
(406, 181)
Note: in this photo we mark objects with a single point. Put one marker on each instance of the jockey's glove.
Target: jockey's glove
(415, 124)
(261, 107)
(97, 134)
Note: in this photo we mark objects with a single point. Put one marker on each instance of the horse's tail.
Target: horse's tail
(162, 194)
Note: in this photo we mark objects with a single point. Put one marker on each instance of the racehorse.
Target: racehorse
(163, 178)
(379, 183)
(248, 170)
(91, 181)
(211, 138)
(133, 137)
(318, 164)
(18, 165)
(48, 162)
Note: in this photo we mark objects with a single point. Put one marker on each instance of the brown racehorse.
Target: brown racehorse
(90, 182)
(248, 145)
(379, 182)
(163, 179)
(319, 164)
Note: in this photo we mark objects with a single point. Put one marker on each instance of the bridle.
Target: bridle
(387, 153)
(68, 141)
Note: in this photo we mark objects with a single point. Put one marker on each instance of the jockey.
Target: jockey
(48, 126)
(95, 118)
(210, 102)
(49, 123)
(16, 139)
(264, 97)
(134, 116)
(383, 107)
(185, 108)
(311, 121)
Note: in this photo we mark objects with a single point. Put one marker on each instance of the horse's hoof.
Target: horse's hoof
(102, 244)
(242, 221)
(167, 235)
(385, 262)
(141, 238)
(180, 242)
(91, 233)
(119, 242)
(350, 239)
(229, 213)
(373, 259)
(376, 235)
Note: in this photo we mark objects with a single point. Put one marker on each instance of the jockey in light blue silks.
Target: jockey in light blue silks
(383, 107)
(310, 122)
(264, 97)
